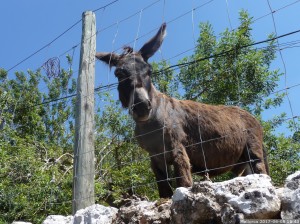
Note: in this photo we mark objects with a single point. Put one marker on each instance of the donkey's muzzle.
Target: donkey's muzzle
(141, 110)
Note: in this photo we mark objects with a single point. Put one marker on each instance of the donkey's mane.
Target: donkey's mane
(127, 50)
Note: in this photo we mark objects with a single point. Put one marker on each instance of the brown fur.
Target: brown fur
(193, 137)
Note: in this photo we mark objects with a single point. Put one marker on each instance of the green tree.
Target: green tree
(35, 146)
(163, 79)
(233, 74)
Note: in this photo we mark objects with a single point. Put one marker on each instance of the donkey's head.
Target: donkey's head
(133, 73)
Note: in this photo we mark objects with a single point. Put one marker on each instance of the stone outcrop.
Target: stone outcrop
(59, 219)
(142, 212)
(250, 197)
(20, 222)
(290, 197)
(94, 214)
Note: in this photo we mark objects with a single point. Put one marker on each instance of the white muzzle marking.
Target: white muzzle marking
(143, 96)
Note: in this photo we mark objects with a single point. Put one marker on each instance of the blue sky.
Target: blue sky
(27, 26)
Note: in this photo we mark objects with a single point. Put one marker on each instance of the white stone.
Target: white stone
(251, 197)
(58, 219)
(143, 211)
(96, 214)
(293, 177)
(290, 197)
(180, 194)
(257, 203)
(20, 222)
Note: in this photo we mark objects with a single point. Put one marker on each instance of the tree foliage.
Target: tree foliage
(236, 72)
(35, 146)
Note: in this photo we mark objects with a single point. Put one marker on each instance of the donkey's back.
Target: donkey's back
(222, 138)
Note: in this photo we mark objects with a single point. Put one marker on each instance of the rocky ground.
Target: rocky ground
(250, 197)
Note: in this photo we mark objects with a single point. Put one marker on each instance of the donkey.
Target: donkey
(193, 137)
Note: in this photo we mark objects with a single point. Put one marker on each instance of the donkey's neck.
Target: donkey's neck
(157, 97)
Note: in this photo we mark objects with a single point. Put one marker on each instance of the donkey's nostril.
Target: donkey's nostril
(140, 106)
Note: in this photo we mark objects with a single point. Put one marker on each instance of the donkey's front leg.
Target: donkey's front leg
(182, 167)
(160, 170)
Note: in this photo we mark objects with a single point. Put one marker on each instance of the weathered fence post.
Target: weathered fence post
(84, 168)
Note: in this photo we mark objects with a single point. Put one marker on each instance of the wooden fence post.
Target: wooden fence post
(84, 168)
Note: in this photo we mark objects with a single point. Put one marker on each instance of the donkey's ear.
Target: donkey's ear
(154, 43)
(109, 58)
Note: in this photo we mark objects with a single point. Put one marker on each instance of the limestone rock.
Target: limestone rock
(96, 214)
(20, 222)
(290, 197)
(58, 219)
(195, 205)
(144, 212)
(251, 197)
